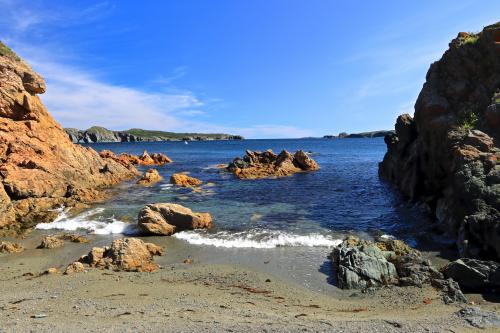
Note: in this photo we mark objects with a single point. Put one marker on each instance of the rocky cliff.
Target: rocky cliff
(40, 168)
(448, 154)
(101, 134)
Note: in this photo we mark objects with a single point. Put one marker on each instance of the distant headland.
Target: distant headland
(101, 134)
(372, 134)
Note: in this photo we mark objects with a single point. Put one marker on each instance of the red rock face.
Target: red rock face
(40, 169)
(448, 154)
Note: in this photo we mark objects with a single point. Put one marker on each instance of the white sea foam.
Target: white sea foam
(85, 222)
(256, 239)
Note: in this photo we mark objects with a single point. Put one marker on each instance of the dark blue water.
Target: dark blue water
(344, 196)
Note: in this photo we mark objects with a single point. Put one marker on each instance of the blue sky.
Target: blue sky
(260, 68)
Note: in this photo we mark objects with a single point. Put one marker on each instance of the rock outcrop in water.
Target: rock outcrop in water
(101, 134)
(168, 218)
(447, 156)
(40, 168)
(127, 254)
(362, 264)
(181, 179)
(267, 164)
(150, 177)
(128, 160)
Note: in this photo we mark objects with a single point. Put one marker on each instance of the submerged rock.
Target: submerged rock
(448, 154)
(267, 164)
(360, 264)
(127, 254)
(168, 218)
(184, 180)
(474, 275)
(8, 247)
(150, 177)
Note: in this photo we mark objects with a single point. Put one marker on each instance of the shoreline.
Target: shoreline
(222, 289)
(200, 296)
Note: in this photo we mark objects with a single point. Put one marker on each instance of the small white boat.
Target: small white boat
(185, 142)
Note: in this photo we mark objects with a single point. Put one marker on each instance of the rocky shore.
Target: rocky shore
(447, 155)
(100, 134)
(41, 169)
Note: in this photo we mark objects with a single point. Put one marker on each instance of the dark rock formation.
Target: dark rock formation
(40, 168)
(101, 134)
(448, 154)
(474, 275)
(266, 164)
(362, 264)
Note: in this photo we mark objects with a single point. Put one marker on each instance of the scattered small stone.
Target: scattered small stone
(75, 267)
(268, 280)
(50, 271)
(188, 261)
(51, 242)
(8, 247)
(39, 316)
(478, 318)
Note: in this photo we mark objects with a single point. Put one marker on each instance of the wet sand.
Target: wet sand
(213, 294)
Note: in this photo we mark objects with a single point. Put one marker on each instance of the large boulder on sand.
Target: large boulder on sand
(267, 164)
(127, 254)
(181, 179)
(360, 264)
(168, 218)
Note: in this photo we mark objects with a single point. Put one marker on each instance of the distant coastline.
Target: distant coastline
(100, 134)
(362, 135)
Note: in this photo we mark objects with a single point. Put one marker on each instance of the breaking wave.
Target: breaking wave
(84, 221)
(256, 239)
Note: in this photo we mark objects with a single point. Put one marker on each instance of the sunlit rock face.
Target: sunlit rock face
(40, 168)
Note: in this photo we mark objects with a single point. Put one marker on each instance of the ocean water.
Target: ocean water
(286, 227)
(313, 209)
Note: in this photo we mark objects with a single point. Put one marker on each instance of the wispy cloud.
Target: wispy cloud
(79, 97)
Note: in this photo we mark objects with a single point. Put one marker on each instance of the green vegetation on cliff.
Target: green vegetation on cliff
(7, 52)
(174, 136)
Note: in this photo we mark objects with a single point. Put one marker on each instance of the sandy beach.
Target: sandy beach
(204, 297)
